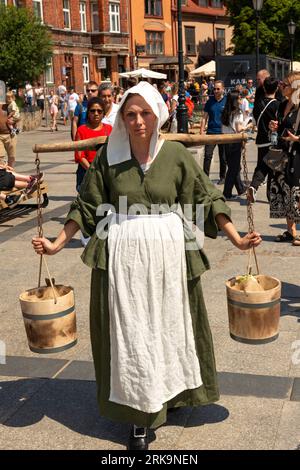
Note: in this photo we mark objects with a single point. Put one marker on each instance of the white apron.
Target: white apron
(153, 354)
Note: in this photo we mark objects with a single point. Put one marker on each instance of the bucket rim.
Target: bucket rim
(21, 298)
(228, 286)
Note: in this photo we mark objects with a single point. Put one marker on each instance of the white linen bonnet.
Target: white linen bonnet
(118, 148)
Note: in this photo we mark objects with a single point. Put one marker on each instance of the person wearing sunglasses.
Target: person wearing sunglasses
(80, 114)
(94, 127)
(106, 94)
(251, 95)
(212, 117)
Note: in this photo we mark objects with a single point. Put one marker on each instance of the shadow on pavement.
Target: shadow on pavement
(198, 416)
(290, 300)
(18, 211)
(72, 403)
(62, 198)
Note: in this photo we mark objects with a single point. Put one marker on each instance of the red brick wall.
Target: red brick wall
(77, 43)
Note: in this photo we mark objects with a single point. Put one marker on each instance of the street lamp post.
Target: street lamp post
(257, 5)
(182, 115)
(292, 29)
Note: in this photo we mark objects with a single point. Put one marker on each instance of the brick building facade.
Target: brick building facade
(98, 39)
(150, 31)
(90, 39)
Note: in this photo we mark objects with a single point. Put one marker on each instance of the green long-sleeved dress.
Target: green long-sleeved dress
(174, 177)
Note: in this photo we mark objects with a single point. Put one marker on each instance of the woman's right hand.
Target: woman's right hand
(273, 126)
(43, 246)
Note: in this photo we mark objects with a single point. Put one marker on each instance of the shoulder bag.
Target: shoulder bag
(277, 159)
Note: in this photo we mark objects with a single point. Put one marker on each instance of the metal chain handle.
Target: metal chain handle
(250, 216)
(40, 226)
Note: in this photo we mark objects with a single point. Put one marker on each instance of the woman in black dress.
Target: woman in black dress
(285, 187)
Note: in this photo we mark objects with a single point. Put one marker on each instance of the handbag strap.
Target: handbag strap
(297, 121)
(258, 120)
(296, 128)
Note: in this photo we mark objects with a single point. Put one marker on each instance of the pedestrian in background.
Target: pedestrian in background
(106, 95)
(232, 123)
(212, 118)
(80, 114)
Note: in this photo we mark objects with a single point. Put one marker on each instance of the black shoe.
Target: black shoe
(138, 439)
(221, 181)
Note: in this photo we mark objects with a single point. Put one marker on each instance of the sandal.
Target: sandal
(285, 237)
(296, 241)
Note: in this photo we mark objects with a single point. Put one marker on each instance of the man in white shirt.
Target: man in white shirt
(29, 94)
(73, 99)
(62, 90)
(106, 94)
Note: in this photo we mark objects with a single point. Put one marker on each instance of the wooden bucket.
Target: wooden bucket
(254, 316)
(50, 326)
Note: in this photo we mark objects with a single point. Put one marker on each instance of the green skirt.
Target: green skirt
(99, 328)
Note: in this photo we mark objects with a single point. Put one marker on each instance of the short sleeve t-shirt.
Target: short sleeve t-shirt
(214, 110)
(110, 119)
(81, 113)
(231, 129)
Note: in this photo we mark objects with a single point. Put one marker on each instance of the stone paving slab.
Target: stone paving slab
(82, 370)
(234, 423)
(18, 366)
(288, 434)
(295, 395)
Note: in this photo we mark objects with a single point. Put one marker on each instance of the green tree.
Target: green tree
(273, 29)
(25, 46)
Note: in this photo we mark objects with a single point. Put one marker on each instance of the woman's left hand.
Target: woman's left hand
(249, 241)
(291, 137)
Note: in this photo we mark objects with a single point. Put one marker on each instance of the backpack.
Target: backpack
(190, 106)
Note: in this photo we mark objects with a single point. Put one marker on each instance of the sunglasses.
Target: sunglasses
(217, 89)
(91, 90)
(94, 111)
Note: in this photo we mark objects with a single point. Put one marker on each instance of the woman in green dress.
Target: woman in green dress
(151, 341)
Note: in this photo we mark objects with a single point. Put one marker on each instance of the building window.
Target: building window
(217, 3)
(49, 71)
(82, 13)
(85, 68)
(114, 17)
(95, 16)
(38, 9)
(220, 37)
(153, 8)
(190, 42)
(67, 16)
(154, 42)
(203, 3)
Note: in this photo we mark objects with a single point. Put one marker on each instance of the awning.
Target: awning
(205, 70)
(143, 73)
(169, 60)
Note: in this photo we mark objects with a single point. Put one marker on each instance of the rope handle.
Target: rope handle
(40, 229)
